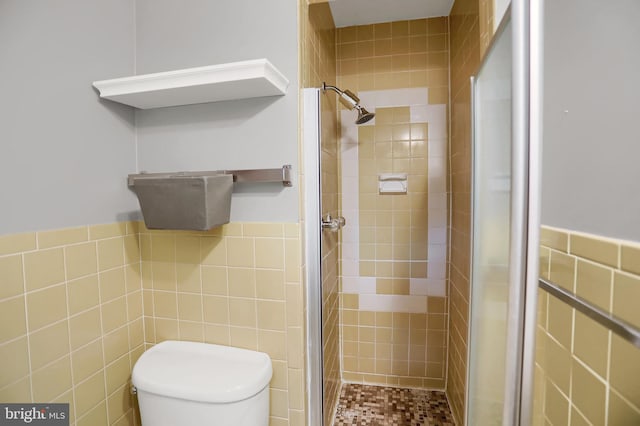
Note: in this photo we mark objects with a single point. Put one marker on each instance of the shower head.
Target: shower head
(351, 101)
(363, 115)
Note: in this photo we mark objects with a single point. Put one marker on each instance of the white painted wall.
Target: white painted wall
(246, 134)
(64, 154)
(591, 172)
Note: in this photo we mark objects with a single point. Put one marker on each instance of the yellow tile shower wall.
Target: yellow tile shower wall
(71, 310)
(318, 44)
(470, 32)
(330, 325)
(584, 373)
(396, 348)
(393, 228)
(71, 324)
(394, 55)
(486, 20)
(319, 65)
(330, 256)
(238, 285)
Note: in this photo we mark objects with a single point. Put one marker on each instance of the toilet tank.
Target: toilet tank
(190, 383)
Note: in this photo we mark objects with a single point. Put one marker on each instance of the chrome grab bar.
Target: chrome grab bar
(333, 224)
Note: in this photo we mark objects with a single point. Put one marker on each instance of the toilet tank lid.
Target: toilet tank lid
(202, 372)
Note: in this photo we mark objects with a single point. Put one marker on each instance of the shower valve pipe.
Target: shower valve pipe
(333, 224)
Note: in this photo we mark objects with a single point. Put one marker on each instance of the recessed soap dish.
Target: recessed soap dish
(392, 183)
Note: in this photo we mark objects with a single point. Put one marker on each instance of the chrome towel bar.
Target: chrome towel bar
(622, 328)
(282, 175)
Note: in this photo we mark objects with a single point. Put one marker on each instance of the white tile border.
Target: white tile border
(428, 287)
(393, 303)
(435, 284)
(394, 97)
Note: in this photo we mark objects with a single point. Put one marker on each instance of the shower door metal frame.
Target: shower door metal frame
(527, 53)
(528, 43)
(531, 13)
(313, 268)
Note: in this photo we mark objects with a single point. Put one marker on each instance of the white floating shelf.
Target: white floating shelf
(223, 82)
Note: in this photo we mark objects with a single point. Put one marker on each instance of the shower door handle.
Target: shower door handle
(333, 223)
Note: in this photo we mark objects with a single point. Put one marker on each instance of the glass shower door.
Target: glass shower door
(505, 221)
(491, 233)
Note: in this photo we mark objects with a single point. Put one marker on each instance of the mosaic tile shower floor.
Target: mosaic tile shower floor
(386, 406)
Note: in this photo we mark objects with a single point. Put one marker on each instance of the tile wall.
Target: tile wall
(330, 256)
(394, 246)
(318, 44)
(238, 285)
(79, 306)
(395, 55)
(487, 21)
(465, 57)
(71, 322)
(584, 373)
(394, 253)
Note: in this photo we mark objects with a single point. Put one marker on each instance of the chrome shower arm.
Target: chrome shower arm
(326, 86)
(347, 98)
(351, 101)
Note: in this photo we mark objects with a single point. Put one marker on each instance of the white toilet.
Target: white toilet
(197, 384)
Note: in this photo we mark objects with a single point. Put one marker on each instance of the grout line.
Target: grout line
(572, 357)
(67, 319)
(152, 290)
(201, 292)
(589, 369)
(128, 319)
(175, 274)
(621, 272)
(26, 321)
(224, 240)
(102, 335)
(608, 376)
(609, 349)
